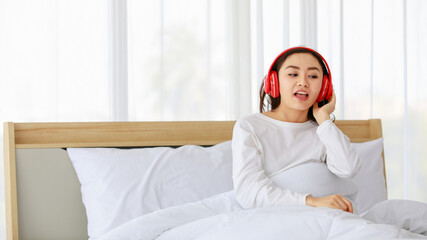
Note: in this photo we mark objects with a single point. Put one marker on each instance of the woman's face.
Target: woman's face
(300, 80)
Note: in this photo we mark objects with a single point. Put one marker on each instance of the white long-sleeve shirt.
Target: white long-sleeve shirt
(263, 147)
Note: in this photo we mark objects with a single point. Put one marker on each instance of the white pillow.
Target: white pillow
(370, 177)
(315, 178)
(321, 182)
(121, 184)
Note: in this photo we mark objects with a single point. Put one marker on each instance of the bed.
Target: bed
(44, 192)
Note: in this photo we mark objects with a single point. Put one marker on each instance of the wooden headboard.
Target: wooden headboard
(30, 204)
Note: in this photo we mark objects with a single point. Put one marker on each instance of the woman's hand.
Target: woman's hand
(323, 113)
(336, 201)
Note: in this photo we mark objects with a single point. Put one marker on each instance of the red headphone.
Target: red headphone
(271, 81)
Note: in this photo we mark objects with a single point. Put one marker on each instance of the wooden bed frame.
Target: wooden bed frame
(42, 190)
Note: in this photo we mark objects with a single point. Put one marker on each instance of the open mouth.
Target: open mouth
(301, 95)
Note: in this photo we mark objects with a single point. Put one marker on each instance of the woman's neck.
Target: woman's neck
(289, 115)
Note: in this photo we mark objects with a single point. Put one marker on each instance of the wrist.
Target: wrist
(309, 200)
(322, 118)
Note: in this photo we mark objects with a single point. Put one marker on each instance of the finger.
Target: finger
(332, 98)
(349, 204)
(334, 202)
(337, 205)
(341, 203)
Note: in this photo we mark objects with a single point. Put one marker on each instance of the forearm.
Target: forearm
(341, 157)
(251, 193)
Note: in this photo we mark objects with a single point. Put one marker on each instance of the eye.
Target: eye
(313, 76)
(293, 74)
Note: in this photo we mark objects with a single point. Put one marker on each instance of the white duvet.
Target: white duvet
(221, 217)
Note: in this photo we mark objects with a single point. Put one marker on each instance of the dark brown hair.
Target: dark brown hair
(273, 103)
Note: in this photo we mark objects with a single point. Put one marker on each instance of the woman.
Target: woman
(294, 131)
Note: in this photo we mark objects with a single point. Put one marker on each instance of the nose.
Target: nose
(302, 81)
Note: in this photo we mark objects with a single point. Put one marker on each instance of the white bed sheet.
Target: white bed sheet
(221, 217)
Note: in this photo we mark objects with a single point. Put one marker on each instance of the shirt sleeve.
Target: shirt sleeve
(252, 187)
(342, 159)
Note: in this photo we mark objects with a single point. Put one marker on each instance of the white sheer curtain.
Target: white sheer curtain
(182, 59)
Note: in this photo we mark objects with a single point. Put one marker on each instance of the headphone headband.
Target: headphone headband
(306, 48)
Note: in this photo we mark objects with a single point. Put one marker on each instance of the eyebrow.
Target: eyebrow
(310, 68)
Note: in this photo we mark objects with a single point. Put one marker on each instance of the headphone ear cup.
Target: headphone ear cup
(274, 84)
(329, 90)
(323, 89)
(267, 84)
